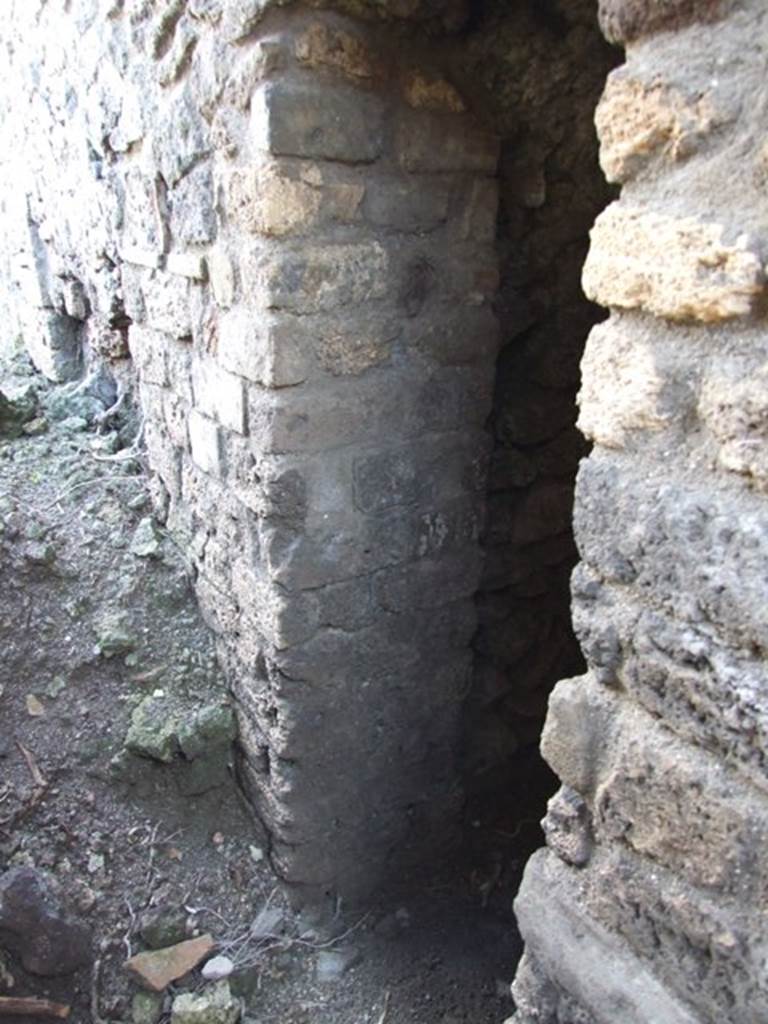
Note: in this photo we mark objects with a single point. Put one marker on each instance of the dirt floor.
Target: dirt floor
(101, 645)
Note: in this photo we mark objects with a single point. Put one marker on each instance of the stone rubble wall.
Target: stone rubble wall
(542, 69)
(648, 904)
(289, 217)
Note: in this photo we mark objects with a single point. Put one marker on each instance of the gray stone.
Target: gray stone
(217, 968)
(210, 728)
(145, 542)
(153, 730)
(35, 925)
(146, 1007)
(163, 925)
(337, 124)
(332, 964)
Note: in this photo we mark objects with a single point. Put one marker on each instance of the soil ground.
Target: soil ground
(89, 627)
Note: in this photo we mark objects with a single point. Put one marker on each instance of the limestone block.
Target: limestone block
(675, 268)
(265, 200)
(638, 122)
(148, 349)
(316, 278)
(205, 442)
(334, 49)
(625, 20)
(633, 381)
(288, 119)
(597, 969)
(429, 143)
(283, 619)
(167, 302)
(218, 394)
(271, 351)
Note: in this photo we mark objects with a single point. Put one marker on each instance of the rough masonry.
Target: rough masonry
(646, 906)
(277, 227)
(296, 235)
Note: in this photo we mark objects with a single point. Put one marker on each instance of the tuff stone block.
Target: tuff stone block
(675, 268)
(641, 122)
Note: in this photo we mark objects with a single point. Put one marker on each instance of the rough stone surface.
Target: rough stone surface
(35, 925)
(645, 906)
(676, 268)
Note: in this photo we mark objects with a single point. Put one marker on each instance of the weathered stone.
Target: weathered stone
(153, 730)
(314, 279)
(430, 92)
(205, 443)
(638, 122)
(326, 47)
(213, 1005)
(156, 969)
(146, 1007)
(676, 268)
(625, 20)
(588, 961)
(207, 729)
(162, 925)
(35, 925)
(425, 144)
(288, 120)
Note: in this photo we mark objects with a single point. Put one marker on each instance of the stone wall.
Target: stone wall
(541, 69)
(647, 904)
(297, 214)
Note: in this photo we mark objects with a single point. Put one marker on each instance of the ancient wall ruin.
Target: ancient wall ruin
(646, 906)
(279, 224)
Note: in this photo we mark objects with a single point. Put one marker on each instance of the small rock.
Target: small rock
(34, 708)
(210, 727)
(153, 730)
(332, 964)
(38, 553)
(36, 927)
(214, 1005)
(146, 541)
(146, 1007)
(218, 968)
(37, 426)
(268, 922)
(157, 968)
(114, 635)
(73, 425)
(163, 925)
